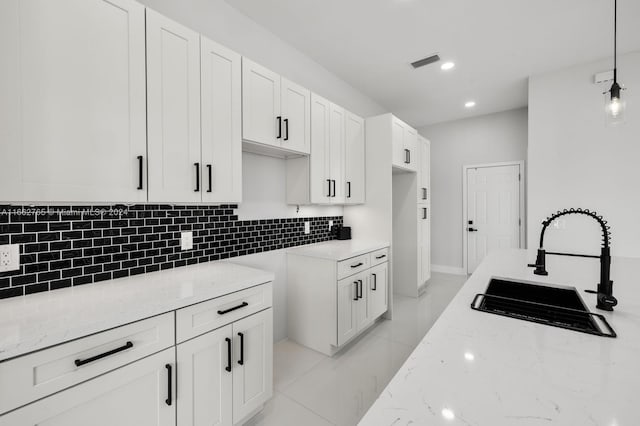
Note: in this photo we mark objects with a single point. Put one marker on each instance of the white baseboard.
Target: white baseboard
(448, 269)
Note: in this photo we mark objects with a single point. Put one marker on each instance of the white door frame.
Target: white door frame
(523, 213)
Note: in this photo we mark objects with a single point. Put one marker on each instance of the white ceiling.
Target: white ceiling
(495, 44)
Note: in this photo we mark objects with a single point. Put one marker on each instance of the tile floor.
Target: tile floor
(312, 389)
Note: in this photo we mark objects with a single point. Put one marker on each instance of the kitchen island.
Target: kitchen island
(480, 369)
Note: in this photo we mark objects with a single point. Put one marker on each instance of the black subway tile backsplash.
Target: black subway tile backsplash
(69, 246)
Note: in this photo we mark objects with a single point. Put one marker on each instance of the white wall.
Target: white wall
(264, 178)
(485, 139)
(576, 161)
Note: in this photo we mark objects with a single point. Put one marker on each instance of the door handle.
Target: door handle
(209, 167)
(228, 367)
(140, 170)
(406, 156)
(197, 177)
(472, 230)
(348, 189)
(424, 213)
(360, 286)
(375, 282)
(334, 187)
(355, 298)
(286, 129)
(409, 152)
(279, 119)
(329, 182)
(169, 399)
(424, 193)
(241, 360)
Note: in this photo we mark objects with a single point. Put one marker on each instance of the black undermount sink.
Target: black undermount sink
(555, 306)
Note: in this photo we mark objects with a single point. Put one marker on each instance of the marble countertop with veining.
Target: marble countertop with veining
(478, 369)
(338, 249)
(37, 321)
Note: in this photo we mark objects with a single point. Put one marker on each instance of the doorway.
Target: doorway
(493, 210)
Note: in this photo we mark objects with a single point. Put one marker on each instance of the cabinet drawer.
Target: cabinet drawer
(198, 319)
(42, 373)
(380, 256)
(353, 265)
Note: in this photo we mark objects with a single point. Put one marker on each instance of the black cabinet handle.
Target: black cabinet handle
(228, 367)
(355, 298)
(197, 177)
(348, 189)
(375, 282)
(329, 182)
(169, 399)
(140, 171)
(226, 311)
(279, 127)
(334, 187)
(472, 230)
(382, 256)
(424, 213)
(286, 129)
(209, 171)
(409, 152)
(81, 362)
(424, 193)
(360, 286)
(241, 360)
(357, 265)
(406, 156)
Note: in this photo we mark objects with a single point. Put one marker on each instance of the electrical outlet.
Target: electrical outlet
(307, 227)
(330, 225)
(186, 240)
(9, 257)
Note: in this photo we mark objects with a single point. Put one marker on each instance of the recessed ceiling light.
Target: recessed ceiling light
(470, 104)
(448, 414)
(447, 66)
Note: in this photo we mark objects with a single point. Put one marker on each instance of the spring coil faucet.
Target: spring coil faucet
(606, 301)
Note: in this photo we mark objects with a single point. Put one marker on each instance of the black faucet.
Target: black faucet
(606, 301)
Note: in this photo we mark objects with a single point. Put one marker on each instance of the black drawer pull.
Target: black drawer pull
(80, 362)
(226, 311)
(357, 265)
(241, 360)
(228, 367)
(140, 170)
(355, 298)
(209, 171)
(382, 256)
(375, 282)
(197, 165)
(169, 384)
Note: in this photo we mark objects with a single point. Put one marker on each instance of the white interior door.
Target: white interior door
(221, 123)
(173, 108)
(493, 211)
(296, 117)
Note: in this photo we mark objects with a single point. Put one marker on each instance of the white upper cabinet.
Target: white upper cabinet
(354, 159)
(337, 153)
(424, 164)
(72, 110)
(296, 117)
(318, 177)
(276, 112)
(221, 123)
(404, 145)
(173, 108)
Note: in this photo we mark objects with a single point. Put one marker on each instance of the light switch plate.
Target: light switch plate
(9, 257)
(186, 240)
(330, 224)
(307, 227)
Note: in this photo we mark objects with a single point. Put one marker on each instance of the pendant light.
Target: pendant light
(614, 105)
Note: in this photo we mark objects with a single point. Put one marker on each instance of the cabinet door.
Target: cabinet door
(337, 153)
(411, 147)
(261, 119)
(319, 167)
(296, 117)
(221, 123)
(205, 383)
(354, 159)
(363, 308)
(72, 109)
(424, 161)
(398, 156)
(424, 245)
(137, 394)
(252, 363)
(378, 278)
(348, 291)
(173, 107)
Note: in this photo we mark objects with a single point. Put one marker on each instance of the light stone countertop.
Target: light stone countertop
(478, 369)
(37, 321)
(338, 249)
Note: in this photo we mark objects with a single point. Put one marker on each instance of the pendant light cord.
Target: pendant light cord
(615, 41)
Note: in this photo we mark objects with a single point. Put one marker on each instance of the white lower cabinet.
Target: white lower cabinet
(378, 288)
(138, 394)
(226, 374)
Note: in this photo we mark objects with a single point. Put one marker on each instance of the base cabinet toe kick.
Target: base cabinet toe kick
(330, 302)
(208, 363)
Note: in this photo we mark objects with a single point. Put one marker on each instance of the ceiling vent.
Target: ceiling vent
(425, 61)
